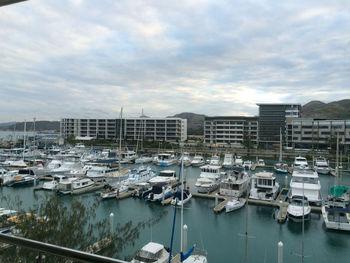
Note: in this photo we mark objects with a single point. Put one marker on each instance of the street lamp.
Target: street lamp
(9, 2)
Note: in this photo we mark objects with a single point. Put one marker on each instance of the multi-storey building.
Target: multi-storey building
(230, 130)
(272, 119)
(151, 129)
(317, 133)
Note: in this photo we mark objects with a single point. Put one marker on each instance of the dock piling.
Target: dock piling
(111, 223)
(280, 252)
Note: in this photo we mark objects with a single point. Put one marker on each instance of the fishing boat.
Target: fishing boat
(236, 183)
(209, 179)
(198, 160)
(321, 166)
(298, 209)
(234, 204)
(151, 252)
(228, 160)
(160, 192)
(264, 186)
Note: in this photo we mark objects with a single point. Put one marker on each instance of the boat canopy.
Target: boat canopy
(338, 190)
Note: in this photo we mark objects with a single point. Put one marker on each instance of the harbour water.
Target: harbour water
(220, 235)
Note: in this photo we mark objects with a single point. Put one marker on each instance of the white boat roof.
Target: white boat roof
(210, 166)
(263, 175)
(153, 247)
(305, 173)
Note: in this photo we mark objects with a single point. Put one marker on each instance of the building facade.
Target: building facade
(317, 133)
(150, 129)
(273, 119)
(230, 130)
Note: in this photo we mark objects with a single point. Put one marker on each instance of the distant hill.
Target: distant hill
(39, 126)
(194, 122)
(333, 110)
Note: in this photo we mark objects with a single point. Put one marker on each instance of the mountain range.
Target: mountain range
(313, 109)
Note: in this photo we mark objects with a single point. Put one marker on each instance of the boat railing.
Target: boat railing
(62, 252)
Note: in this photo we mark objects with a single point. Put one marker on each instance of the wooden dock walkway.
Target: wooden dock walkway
(221, 206)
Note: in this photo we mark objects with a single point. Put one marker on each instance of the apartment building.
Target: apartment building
(272, 119)
(317, 133)
(151, 129)
(230, 130)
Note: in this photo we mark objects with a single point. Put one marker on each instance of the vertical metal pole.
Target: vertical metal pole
(111, 224)
(185, 238)
(216, 199)
(280, 252)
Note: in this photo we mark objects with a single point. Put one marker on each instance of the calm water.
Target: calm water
(221, 234)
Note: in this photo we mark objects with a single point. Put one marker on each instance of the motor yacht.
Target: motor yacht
(305, 182)
(236, 183)
(209, 179)
(178, 197)
(166, 159)
(198, 160)
(234, 204)
(298, 209)
(164, 176)
(159, 192)
(321, 166)
(264, 186)
(247, 164)
(152, 252)
(186, 159)
(228, 160)
(238, 160)
(300, 162)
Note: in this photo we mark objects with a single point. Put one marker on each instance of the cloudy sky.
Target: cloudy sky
(87, 58)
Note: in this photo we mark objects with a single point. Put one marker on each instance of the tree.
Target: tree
(70, 226)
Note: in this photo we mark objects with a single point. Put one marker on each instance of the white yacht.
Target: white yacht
(186, 159)
(228, 160)
(260, 163)
(264, 186)
(321, 165)
(99, 172)
(66, 167)
(114, 191)
(52, 185)
(247, 164)
(238, 160)
(178, 197)
(298, 209)
(140, 174)
(234, 204)
(82, 183)
(152, 252)
(236, 183)
(144, 159)
(198, 160)
(159, 192)
(305, 182)
(300, 162)
(128, 156)
(65, 185)
(164, 176)
(209, 179)
(166, 159)
(215, 160)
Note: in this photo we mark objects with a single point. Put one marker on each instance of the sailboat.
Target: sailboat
(281, 167)
(336, 211)
(192, 255)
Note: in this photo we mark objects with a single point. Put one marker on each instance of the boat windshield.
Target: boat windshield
(167, 174)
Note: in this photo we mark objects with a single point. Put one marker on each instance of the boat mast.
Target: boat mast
(337, 160)
(24, 138)
(246, 228)
(182, 200)
(280, 145)
(120, 138)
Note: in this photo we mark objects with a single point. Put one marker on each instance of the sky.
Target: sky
(88, 58)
